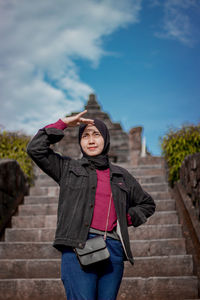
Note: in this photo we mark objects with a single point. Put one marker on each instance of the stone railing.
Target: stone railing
(186, 193)
(190, 179)
(13, 187)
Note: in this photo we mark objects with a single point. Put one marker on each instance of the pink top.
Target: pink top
(102, 199)
(102, 196)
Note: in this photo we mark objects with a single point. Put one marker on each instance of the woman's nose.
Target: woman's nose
(91, 140)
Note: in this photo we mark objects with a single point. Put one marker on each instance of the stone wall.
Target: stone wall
(190, 179)
(13, 187)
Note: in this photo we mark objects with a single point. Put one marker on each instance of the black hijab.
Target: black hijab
(100, 161)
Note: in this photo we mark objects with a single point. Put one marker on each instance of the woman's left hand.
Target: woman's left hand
(77, 120)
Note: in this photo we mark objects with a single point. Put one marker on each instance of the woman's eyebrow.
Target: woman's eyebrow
(91, 130)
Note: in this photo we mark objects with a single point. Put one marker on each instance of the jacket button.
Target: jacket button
(86, 224)
(91, 205)
(93, 187)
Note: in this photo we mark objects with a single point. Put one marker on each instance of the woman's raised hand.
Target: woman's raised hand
(77, 120)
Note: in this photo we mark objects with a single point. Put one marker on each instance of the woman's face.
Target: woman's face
(92, 141)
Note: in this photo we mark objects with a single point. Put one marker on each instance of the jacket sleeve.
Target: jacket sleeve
(141, 205)
(41, 153)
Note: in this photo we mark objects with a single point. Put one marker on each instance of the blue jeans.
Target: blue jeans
(101, 281)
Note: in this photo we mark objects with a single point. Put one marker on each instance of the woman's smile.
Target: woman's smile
(92, 141)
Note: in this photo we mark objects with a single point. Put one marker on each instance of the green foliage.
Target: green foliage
(176, 145)
(13, 146)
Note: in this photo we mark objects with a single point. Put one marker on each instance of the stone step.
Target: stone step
(39, 221)
(145, 169)
(34, 221)
(132, 288)
(158, 247)
(151, 179)
(146, 172)
(158, 288)
(177, 265)
(155, 187)
(40, 199)
(53, 200)
(29, 235)
(47, 181)
(37, 209)
(140, 233)
(167, 205)
(33, 268)
(155, 232)
(161, 195)
(170, 265)
(151, 166)
(163, 217)
(51, 209)
(43, 177)
(27, 250)
(151, 160)
(142, 169)
(53, 191)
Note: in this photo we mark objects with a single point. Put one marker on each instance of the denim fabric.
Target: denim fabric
(100, 281)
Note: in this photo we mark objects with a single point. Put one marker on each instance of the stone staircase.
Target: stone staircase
(30, 266)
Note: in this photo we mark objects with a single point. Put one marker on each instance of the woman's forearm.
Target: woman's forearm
(58, 125)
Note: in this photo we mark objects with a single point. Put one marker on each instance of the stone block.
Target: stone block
(40, 200)
(28, 250)
(174, 265)
(148, 232)
(13, 187)
(158, 288)
(159, 247)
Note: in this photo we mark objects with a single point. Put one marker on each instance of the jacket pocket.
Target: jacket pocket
(77, 178)
(122, 192)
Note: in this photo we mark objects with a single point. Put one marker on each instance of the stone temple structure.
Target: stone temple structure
(125, 147)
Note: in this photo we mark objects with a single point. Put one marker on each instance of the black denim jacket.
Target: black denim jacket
(78, 183)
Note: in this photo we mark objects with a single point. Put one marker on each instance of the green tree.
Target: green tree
(13, 146)
(176, 145)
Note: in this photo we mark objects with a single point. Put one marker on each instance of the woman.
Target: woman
(95, 196)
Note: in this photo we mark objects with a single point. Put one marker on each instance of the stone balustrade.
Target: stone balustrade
(190, 179)
(13, 187)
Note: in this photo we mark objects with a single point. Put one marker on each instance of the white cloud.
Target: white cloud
(177, 22)
(154, 3)
(40, 40)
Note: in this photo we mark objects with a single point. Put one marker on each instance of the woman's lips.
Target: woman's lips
(92, 148)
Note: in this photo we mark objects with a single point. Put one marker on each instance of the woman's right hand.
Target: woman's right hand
(77, 120)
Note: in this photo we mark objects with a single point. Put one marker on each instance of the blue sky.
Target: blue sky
(141, 59)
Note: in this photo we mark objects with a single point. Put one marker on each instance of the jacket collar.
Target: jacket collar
(114, 169)
(83, 161)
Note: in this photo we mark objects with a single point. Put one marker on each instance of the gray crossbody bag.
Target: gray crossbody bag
(95, 249)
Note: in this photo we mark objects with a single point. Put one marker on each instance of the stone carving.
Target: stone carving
(190, 179)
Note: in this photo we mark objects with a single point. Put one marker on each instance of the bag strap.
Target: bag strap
(105, 234)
